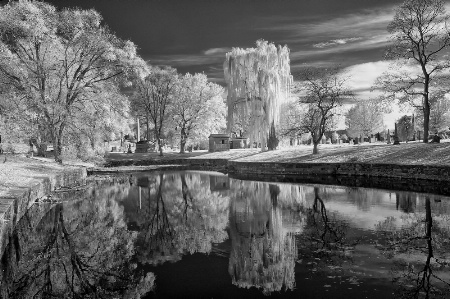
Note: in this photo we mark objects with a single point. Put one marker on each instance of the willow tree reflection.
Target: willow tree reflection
(419, 245)
(77, 249)
(179, 214)
(262, 229)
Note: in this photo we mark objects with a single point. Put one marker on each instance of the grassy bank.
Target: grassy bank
(18, 172)
(379, 153)
(414, 153)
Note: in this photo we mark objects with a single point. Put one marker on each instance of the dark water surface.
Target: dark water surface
(205, 235)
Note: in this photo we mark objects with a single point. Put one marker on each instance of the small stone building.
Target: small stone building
(219, 142)
(239, 142)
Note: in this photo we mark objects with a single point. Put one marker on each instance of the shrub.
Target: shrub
(9, 148)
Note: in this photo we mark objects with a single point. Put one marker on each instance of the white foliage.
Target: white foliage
(259, 80)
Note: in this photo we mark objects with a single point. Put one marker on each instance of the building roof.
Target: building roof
(219, 136)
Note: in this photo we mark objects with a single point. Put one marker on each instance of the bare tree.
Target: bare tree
(421, 38)
(323, 92)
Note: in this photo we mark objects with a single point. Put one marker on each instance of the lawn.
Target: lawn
(413, 153)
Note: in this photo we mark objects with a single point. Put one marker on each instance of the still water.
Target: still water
(204, 235)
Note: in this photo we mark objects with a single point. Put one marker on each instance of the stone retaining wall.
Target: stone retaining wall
(424, 172)
(18, 203)
(206, 164)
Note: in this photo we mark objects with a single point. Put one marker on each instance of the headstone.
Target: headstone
(436, 139)
(396, 139)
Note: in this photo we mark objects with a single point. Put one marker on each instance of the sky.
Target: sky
(194, 35)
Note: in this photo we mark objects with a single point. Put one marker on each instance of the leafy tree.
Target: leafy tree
(421, 39)
(324, 91)
(59, 65)
(105, 119)
(154, 93)
(198, 108)
(292, 115)
(365, 118)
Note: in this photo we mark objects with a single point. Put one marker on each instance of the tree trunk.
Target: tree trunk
(316, 147)
(57, 149)
(426, 120)
(183, 138)
(272, 141)
(40, 147)
(160, 146)
(426, 108)
(57, 142)
(148, 127)
(92, 142)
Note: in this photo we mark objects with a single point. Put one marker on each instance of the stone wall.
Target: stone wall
(438, 173)
(18, 203)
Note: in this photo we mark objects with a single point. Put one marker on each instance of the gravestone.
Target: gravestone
(396, 139)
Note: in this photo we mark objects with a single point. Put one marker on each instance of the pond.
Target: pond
(195, 234)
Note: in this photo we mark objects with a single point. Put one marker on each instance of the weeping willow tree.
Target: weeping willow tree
(259, 80)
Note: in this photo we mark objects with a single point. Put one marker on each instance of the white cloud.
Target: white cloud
(317, 38)
(336, 42)
(363, 76)
(214, 51)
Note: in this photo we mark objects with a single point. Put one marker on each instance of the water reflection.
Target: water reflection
(79, 249)
(262, 229)
(274, 237)
(419, 245)
(324, 238)
(176, 214)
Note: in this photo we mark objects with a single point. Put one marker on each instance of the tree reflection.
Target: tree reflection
(78, 249)
(263, 250)
(180, 215)
(325, 234)
(405, 202)
(157, 239)
(420, 250)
